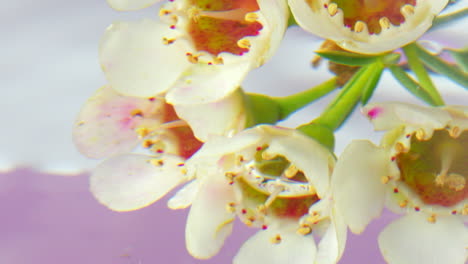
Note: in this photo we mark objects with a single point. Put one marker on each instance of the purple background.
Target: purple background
(54, 219)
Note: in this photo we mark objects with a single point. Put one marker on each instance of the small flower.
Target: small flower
(420, 169)
(111, 126)
(367, 26)
(273, 179)
(200, 51)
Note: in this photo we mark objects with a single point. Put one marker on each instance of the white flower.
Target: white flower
(420, 169)
(111, 126)
(199, 52)
(274, 179)
(369, 26)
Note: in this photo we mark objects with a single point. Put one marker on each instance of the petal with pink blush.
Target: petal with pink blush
(106, 124)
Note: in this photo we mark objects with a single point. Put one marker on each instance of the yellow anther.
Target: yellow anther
(359, 26)
(385, 179)
(276, 239)
(432, 218)
(407, 10)
(231, 207)
(183, 170)
(218, 61)
(465, 210)
(420, 134)
(136, 112)
(157, 162)
(268, 156)
(455, 132)
(147, 143)
(304, 230)
(244, 43)
(167, 41)
(142, 131)
(164, 12)
(192, 58)
(291, 171)
(400, 148)
(403, 203)
(384, 23)
(251, 17)
(332, 9)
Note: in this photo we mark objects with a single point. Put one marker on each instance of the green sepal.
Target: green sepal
(410, 84)
(442, 67)
(321, 133)
(261, 109)
(461, 57)
(347, 58)
(371, 84)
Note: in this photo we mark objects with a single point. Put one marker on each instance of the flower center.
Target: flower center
(273, 185)
(218, 26)
(437, 169)
(376, 14)
(173, 130)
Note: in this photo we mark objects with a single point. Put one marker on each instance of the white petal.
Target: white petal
(307, 154)
(128, 5)
(208, 83)
(106, 126)
(313, 17)
(332, 244)
(412, 239)
(385, 116)
(356, 183)
(293, 248)
(135, 60)
(209, 223)
(274, 19)
(129, 182)
(185, 196)
(221, 118)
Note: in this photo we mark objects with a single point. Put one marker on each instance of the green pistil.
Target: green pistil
(437, 169)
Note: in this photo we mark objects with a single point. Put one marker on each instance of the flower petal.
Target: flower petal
(385, 116)
(310, 156)
(185, 196)
(221, 118)
(128, 5)
(208, 222)
(135, 60)
(356, 183)
(332, 244)
(106, 125)
(129, 182)
(208, 83)
(293, 248)
(412, 239)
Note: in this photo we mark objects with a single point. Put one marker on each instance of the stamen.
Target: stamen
(268, 156)
(276, 239)
(359, 26)
(251, 17)
(447, 156)
(157, 162)
(167, 41)
(432, 218)
(142, 132)
(407, 10)
(136, 112)
(244, 43)
(305, 229)
(332, 9)
(384, 23)
(291, 171)
(173, 124)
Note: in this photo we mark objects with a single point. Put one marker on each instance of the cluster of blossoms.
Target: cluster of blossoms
(173, 115)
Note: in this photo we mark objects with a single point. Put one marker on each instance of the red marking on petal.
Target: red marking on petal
(374, 112)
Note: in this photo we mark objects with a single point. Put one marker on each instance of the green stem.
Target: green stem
(421, 73)
(441, 21)
(442, 67)
(411, 85)
(344, 103)
(292, 103)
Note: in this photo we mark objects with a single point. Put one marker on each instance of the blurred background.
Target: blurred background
(49, 67)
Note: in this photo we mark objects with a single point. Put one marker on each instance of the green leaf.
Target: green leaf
(442, 67)
(371, 83)
(461, 57)
(410, 84)
(347, 58)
